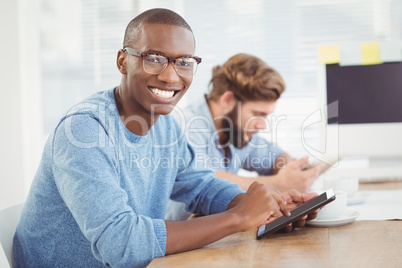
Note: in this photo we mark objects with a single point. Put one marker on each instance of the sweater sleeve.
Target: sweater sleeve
(87, 176)
(200, 189)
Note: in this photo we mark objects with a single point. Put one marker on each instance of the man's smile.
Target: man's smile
(165, 94)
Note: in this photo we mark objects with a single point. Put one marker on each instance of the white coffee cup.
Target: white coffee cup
(335, 209)
(350, 185)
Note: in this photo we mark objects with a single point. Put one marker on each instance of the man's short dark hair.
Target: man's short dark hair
(152, 16)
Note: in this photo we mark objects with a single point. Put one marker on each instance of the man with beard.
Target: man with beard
(221, 128)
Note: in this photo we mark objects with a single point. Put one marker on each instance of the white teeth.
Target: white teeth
(163, 93)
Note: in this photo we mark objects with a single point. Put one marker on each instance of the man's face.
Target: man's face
(246, 119)
(149, 93)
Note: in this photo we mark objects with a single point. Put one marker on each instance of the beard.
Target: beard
(231, 127)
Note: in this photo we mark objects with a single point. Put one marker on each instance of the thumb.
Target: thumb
(303, 162)
(308, 196)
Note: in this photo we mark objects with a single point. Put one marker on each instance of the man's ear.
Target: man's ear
(121, 61)
(228, 101)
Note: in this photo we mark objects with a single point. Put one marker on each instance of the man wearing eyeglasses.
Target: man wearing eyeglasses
(98, 199)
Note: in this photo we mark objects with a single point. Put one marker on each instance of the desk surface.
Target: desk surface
(361, 244)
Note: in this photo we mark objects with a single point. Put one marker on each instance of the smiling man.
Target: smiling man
(96, 202)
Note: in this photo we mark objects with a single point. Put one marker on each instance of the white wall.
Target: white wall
(21, 128)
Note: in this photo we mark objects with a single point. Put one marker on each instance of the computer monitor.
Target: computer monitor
(363, 114)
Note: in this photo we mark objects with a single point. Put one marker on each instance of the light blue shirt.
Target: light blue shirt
(196, 120)
(198, 126)
(100, 194)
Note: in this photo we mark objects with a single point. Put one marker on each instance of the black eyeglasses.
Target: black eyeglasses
(155, 63)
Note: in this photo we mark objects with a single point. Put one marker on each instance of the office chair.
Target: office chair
(9, 218)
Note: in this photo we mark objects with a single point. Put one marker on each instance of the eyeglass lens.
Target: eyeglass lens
(155, 64)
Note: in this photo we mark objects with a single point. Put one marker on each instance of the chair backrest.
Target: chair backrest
(9, 218)
(3, 259)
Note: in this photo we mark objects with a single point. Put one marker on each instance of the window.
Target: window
(80, 39)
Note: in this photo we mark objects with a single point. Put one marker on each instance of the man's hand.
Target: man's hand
(293, 199)
(287, 173)
(264, 203)
(260, 205)
(297, 175)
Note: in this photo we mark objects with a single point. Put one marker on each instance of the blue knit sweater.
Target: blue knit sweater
(99, 196)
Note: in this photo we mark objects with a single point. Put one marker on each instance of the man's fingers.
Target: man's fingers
(300, 223)
(312, 215)
(274, 216)
(303, 162)
(284, 210)
(281, 203)
(308, 196)
(313, 172)
(288, 228)
(298, 197)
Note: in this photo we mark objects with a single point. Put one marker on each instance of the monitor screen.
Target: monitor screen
(362, 107)
(365, 93)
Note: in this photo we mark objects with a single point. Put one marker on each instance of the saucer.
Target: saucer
(348, 216)
(358, 198)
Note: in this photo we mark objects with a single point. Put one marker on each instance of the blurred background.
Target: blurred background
(55, 53)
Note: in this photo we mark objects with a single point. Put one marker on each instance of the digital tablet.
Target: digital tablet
(298, 212)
